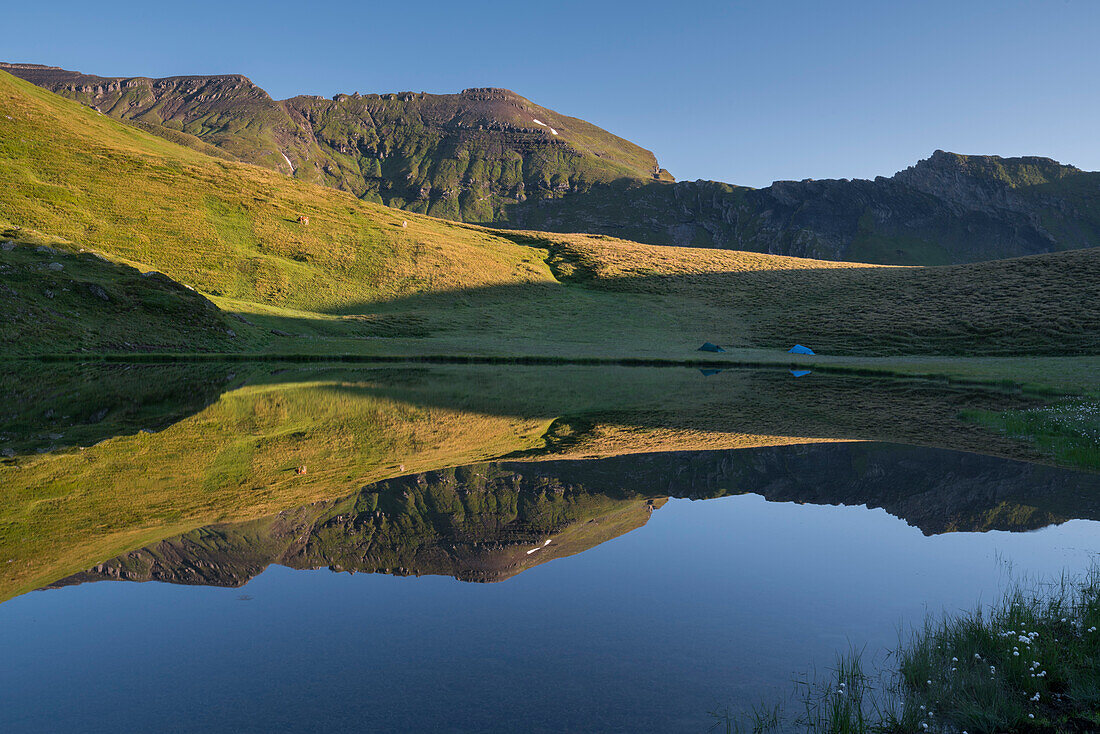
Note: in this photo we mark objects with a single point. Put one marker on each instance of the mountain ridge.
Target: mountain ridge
(307, 268)
(405, 149)
(490, 156)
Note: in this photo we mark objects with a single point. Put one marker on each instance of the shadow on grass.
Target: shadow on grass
(1043, 305)
(47, 408)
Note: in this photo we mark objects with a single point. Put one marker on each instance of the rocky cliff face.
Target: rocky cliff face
(490, 156)
(488, 522)
(466, 156)
(946, 209)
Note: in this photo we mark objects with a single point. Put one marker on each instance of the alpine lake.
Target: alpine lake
(269, 547)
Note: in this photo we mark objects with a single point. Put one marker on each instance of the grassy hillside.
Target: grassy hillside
(228, 114)
(1045, 304)
(363, 278)
(56, 297)
(491, 156)
(460, 156)
(228, 228)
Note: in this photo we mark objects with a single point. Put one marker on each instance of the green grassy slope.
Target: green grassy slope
(492, 156)
(56, 298)
(368, 279)
(460, 156)
(228, 228)
(227, 116)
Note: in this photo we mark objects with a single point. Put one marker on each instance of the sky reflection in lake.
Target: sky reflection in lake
(712, 602)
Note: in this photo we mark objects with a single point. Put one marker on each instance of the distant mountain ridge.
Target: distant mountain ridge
(490, 156)
(948, 208)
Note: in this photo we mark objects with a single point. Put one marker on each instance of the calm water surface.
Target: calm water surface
(632, 593)
(712, 602)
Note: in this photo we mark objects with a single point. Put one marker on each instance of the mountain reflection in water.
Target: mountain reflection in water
(99, 461)
(488, 522)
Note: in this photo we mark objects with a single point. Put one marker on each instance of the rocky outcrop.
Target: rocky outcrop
(468, 156)
(946, 209)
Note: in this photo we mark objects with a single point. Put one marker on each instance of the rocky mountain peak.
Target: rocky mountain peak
(487, 93)
(943, 166)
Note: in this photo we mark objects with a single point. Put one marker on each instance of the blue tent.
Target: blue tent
(708, 373)
(800, 373)
(799, 349)
(708, 347)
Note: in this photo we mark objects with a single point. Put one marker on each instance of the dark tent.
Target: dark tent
(708, 347)
(708, 373)
(799, 349)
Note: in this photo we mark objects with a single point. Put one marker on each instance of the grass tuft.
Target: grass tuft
(1029, 663)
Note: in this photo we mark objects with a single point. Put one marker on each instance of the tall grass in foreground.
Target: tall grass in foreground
(1030, 663)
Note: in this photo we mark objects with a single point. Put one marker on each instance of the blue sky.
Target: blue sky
(745, 92)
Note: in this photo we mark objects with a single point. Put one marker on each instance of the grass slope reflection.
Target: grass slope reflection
(237, 458)
(488, 522)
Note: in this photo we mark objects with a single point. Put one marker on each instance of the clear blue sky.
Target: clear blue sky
(745, 92)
